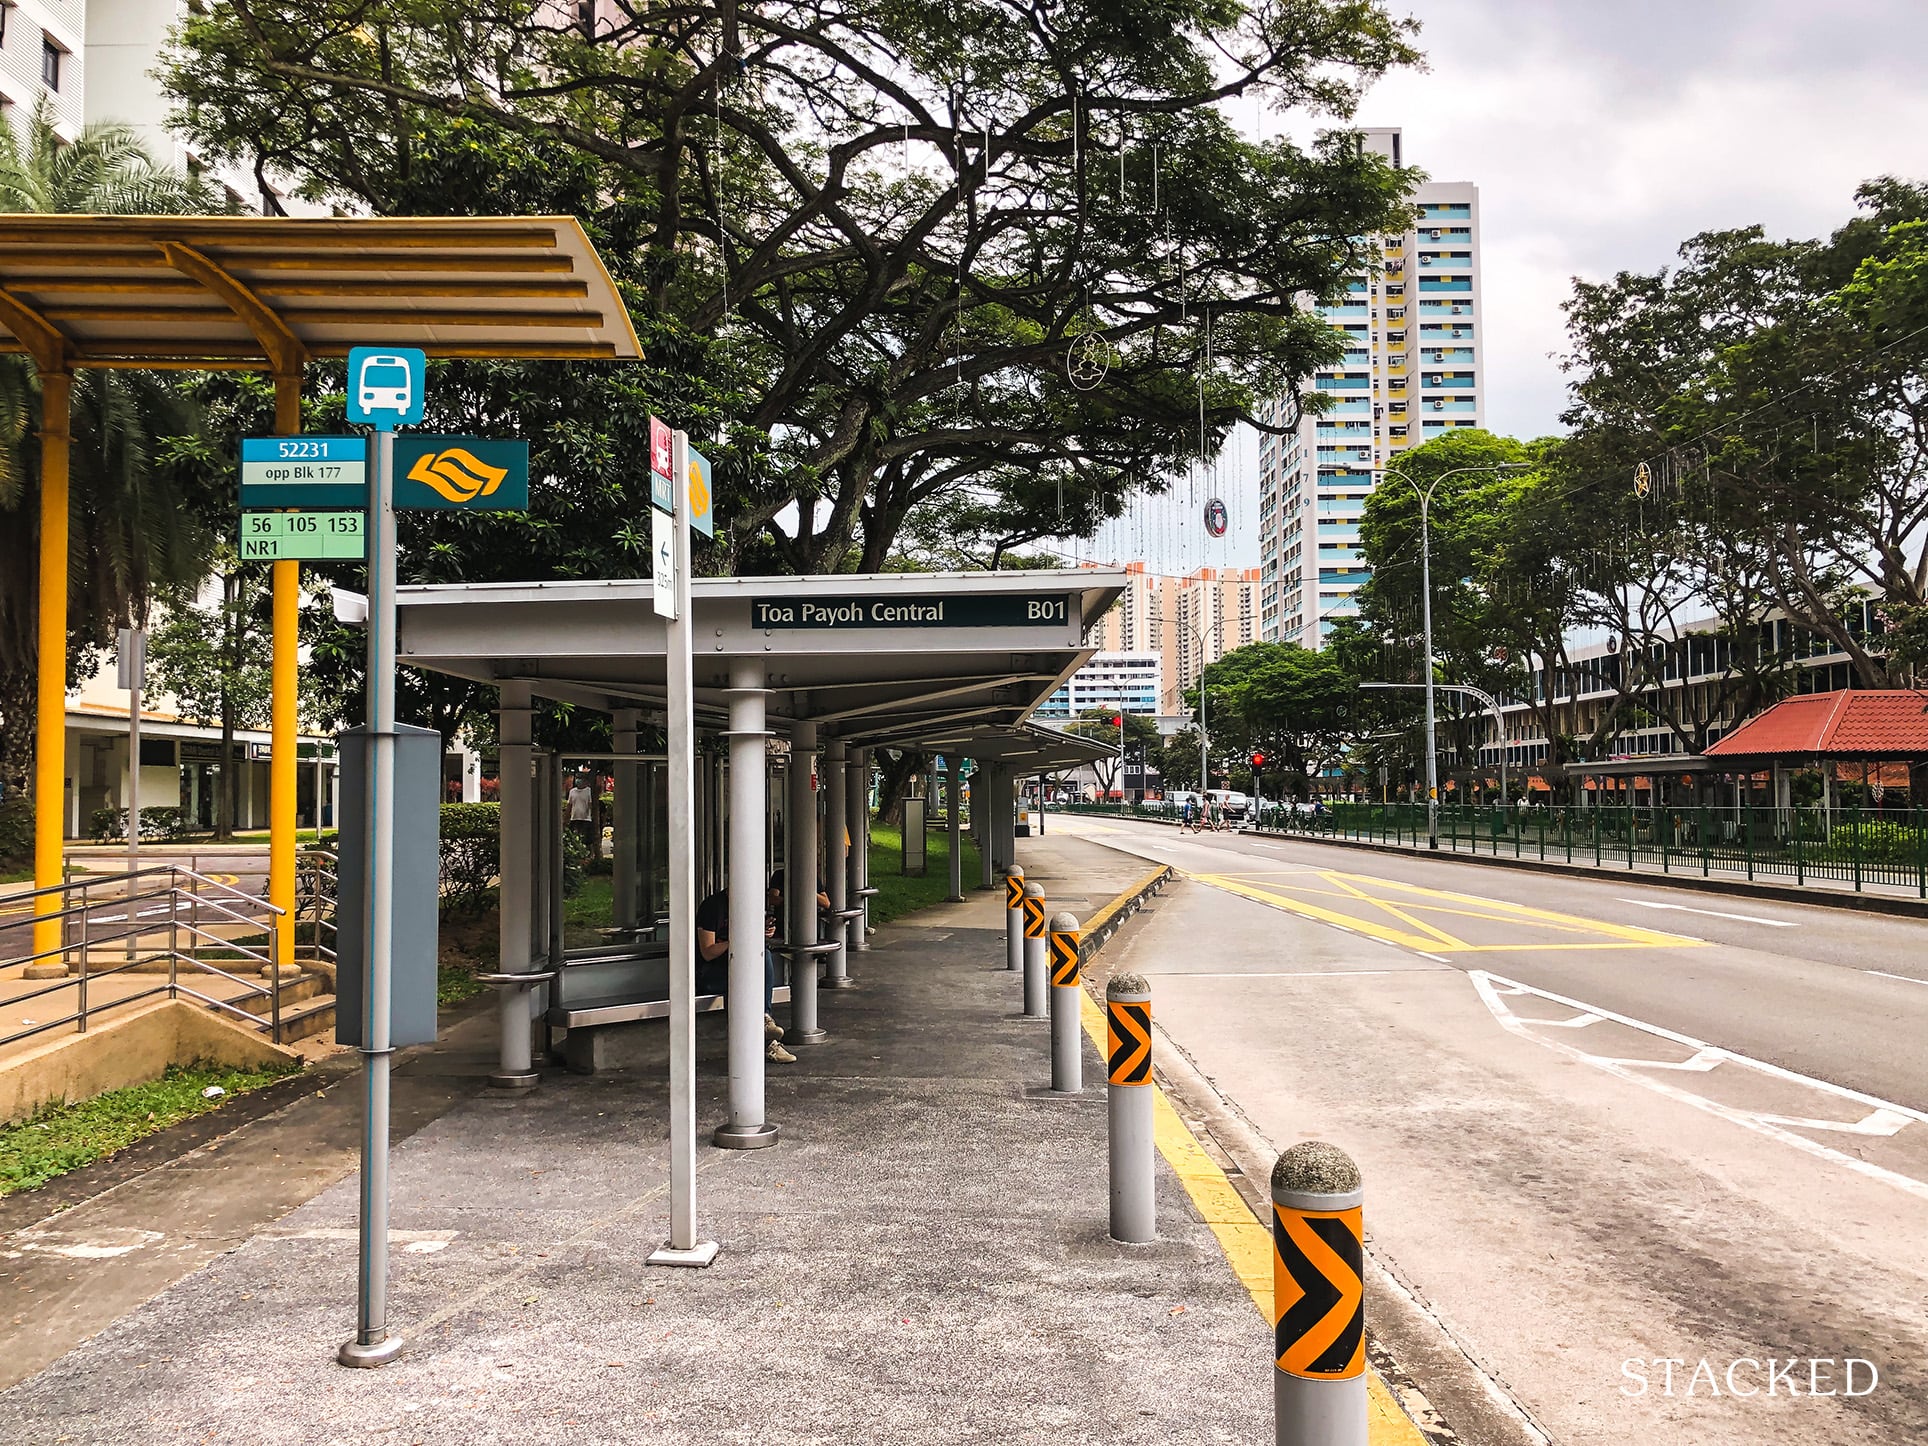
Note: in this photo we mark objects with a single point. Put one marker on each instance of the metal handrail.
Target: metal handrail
(188, 892)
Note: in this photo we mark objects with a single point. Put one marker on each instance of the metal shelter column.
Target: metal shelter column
(857, 869)
(747, 1129)
(800, 880)
(836, 858)
(626, 823)
(954, 821)
(517, 866)
(982, 779)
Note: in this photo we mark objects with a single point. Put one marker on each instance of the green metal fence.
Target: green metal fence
(1886, 847)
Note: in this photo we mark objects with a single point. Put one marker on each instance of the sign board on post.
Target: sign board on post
(386, 386)
(662, 551)
(662, 489)
(415, 902)
(304, 471)
(472, 474)
(309, 536)
(913, 837)
(702, 504)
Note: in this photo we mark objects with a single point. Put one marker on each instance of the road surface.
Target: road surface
(1604, 1125)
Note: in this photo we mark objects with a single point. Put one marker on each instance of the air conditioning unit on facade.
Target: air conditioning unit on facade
(1457, 309)
(1433, 235)
(1432, 379)
(1439, 406)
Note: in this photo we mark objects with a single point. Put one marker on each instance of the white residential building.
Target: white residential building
(1411, 370)
(1125, 682)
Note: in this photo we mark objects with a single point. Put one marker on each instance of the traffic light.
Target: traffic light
(1258, 760)
(1118, 720)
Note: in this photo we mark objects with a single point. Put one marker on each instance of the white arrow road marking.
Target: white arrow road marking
(1883, 1118)
(55, 1242)
(1717, 914)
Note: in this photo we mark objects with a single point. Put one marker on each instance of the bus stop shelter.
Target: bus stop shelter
(803, 678)
(265, 293)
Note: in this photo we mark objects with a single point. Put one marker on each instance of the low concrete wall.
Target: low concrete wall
(131, 1050)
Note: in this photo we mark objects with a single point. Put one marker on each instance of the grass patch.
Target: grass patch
(65, 1137)
(897, 895)
(16, 876)
(589, 910)
(262, 835)
(456, 984)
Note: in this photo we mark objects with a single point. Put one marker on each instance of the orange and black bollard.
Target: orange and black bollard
(1034, 951)
(1128, 1108)
(1318, 1298)
(1014, 918)
(1067, 1058)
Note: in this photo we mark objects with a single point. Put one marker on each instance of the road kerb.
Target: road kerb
(1244, 1240)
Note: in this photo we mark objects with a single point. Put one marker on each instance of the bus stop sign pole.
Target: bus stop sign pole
(683, 1248)
(373, 1345)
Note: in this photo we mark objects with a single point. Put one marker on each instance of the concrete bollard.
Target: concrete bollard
(1134, 1216)
(1014, 918)
(1034, 951)
(1067, 1053)
(1318, 1296)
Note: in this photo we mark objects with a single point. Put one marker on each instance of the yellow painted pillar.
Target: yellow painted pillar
(282, 724)
(50, 756)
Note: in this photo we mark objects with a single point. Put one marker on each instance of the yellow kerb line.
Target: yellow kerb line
(1245, 1241)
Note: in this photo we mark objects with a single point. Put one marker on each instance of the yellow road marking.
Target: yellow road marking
(1440, 934)
(1244, 1240)
(1433, 940)
(1328, 916)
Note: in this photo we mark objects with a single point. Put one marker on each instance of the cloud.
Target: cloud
(1601, 136)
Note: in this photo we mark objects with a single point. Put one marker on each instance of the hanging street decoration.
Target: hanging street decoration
(1643, 480)
(1087, 361)
(1216, 518)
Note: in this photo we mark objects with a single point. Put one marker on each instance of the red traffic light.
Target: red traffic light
(1118, 720)
(1258, 760)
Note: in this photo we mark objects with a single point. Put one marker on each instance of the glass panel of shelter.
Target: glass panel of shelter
(618, 952)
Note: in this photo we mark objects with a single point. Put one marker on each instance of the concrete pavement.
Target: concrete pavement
(923, 1257)
(1593, 1132)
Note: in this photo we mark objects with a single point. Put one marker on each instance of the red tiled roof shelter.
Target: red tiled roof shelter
(1866, 723)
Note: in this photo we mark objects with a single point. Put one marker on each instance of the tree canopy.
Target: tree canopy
(1001, 261)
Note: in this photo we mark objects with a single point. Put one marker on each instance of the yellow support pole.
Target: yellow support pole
(282, 721)
(50, 749)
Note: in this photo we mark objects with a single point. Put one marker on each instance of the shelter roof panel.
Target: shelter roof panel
(973, 664)
(180, 290)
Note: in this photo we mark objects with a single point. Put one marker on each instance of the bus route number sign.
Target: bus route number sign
(304, 536)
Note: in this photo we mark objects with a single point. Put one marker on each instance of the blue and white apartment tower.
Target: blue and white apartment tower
(1411, 370)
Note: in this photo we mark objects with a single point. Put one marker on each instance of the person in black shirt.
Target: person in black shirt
(713, 957)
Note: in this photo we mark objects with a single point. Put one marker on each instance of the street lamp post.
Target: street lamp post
(1425, 495)
(1479, 695)
(1204, 774)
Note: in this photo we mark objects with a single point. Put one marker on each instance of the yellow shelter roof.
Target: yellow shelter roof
(269, 292)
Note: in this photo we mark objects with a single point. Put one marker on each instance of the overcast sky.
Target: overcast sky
(1602, 133)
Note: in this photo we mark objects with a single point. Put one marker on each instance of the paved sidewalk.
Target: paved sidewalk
(922, 1259)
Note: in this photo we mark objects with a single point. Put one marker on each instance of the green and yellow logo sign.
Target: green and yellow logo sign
(461, 473)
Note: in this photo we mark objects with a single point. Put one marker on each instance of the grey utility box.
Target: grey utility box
(417, 892)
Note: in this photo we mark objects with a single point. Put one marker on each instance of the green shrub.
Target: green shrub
(165, 824)
(471, 851)
(1882, 842)
(16, 832)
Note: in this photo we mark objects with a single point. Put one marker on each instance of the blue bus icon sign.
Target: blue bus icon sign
(385, 386)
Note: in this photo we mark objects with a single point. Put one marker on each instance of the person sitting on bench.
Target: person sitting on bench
(713, 957)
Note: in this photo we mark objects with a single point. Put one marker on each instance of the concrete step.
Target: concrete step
(307, 1020)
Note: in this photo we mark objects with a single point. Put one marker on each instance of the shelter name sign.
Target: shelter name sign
(955, 611)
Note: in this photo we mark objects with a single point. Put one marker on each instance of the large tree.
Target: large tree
(1003, 259)
(1292, 704)
(1778, 394)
